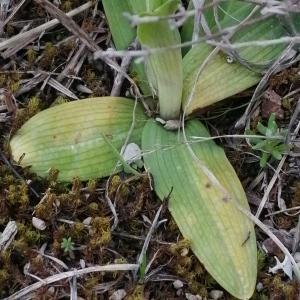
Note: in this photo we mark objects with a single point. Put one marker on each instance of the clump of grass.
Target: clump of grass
(100, 232)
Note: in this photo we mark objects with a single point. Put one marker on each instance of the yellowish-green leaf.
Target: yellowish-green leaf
(204, 203)
(69, 137)
(123, 33)
(164, 67)
(208, 12)
(220, 79)
(217, 81)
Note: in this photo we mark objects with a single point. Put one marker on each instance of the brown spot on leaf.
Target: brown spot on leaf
(77, 138)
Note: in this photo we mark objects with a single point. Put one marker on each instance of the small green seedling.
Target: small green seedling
(273, 145)
(67, 245)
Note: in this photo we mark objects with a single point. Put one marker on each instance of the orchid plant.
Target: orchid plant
(84, 138)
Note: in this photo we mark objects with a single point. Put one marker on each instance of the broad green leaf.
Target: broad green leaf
(188, 26)
(164, 7)
(261, 128)
(204, 208)
(264, 159)
(276, 154)
(164, 67)
(220, 79)
(138, 6)
(123, 34)
(217, 81)
(70, 137)
(154, 4)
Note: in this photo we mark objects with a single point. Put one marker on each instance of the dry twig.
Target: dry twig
(70, 274)
(25, 36)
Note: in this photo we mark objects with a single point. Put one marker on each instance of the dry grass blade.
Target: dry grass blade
(69, 23)
(148, 237)
(69, 274)
(119, 79)
(7, 236)
(261, 225)
(58, 86)
(28, 86)
(13, 41)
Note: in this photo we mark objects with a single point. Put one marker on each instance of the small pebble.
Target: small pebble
(189, 296)
(229, 59)
(184, 252)
(297, 257)
(118, 295)
(38, 223)
(26, 268)
(178, 284)
(51, 290)
(259, 287)
(216, 294)
(82, 263)
(83, 89)
(87, 221)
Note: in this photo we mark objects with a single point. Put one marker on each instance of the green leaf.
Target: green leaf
(282, 148)
(261, 145)
(124, 34)
(264, 159)
(164, 67)
(163, 7)
(138, 6)
(217, 81)
(220, 79)
(154, 4)
(188, 26)
(204, 207)
(261, 128)
(69, 137)
(272, 126)
(276, 154)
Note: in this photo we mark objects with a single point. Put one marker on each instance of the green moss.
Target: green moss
(97, 83)
(30, 235)
(100, 232)
(180, 246)
(45, 209)
(137, 294)
(48, 57)
(89, 284)
(59, 100)
(17, 195)
(91, 186)
(31, 56)
(32, 108)
(10, 81)
(77, 231)
(261, 260)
